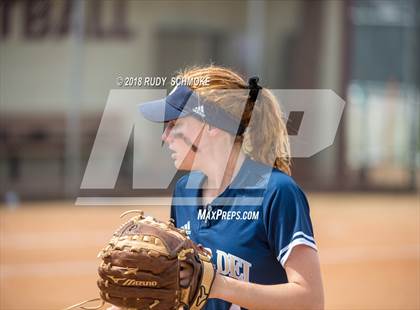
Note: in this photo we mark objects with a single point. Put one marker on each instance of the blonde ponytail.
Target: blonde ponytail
(265, 139)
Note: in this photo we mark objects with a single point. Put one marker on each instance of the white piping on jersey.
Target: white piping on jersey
(288, 249)
(298, 233)
(301, 233)
(234, 307)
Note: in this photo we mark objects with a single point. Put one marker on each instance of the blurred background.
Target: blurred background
(59, 60)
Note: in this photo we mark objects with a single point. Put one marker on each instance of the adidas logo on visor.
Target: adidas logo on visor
(199, 110)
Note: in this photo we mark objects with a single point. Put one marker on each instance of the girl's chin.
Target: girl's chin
(177, 163)
(180, 165)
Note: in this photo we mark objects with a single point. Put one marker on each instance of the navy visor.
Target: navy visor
(181, 102)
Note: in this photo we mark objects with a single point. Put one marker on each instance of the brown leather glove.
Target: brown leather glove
(141, 265)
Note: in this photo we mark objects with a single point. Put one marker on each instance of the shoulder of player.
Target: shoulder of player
(279, 179)
(272, 178)
(282, 196)
(275, 184)
(280, 184)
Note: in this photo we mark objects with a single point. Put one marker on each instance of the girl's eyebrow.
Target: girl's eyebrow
(171, 123)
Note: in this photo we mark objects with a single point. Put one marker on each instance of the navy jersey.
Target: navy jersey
(250, 228)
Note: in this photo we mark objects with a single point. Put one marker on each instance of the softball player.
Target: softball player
(238, 200)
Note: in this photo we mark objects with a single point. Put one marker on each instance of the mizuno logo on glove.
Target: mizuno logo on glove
(132, 282)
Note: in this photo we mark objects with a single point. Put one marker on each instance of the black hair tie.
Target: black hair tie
(254, 89)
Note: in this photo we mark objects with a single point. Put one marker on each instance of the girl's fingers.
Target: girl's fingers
(185, 274)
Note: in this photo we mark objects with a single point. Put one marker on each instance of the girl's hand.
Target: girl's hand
(185, 274)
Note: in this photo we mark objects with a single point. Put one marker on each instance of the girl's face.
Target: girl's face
(181, 136)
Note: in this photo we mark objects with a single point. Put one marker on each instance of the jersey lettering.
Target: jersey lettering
(233, 266)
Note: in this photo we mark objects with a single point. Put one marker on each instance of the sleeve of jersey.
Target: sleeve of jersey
(287, 222)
